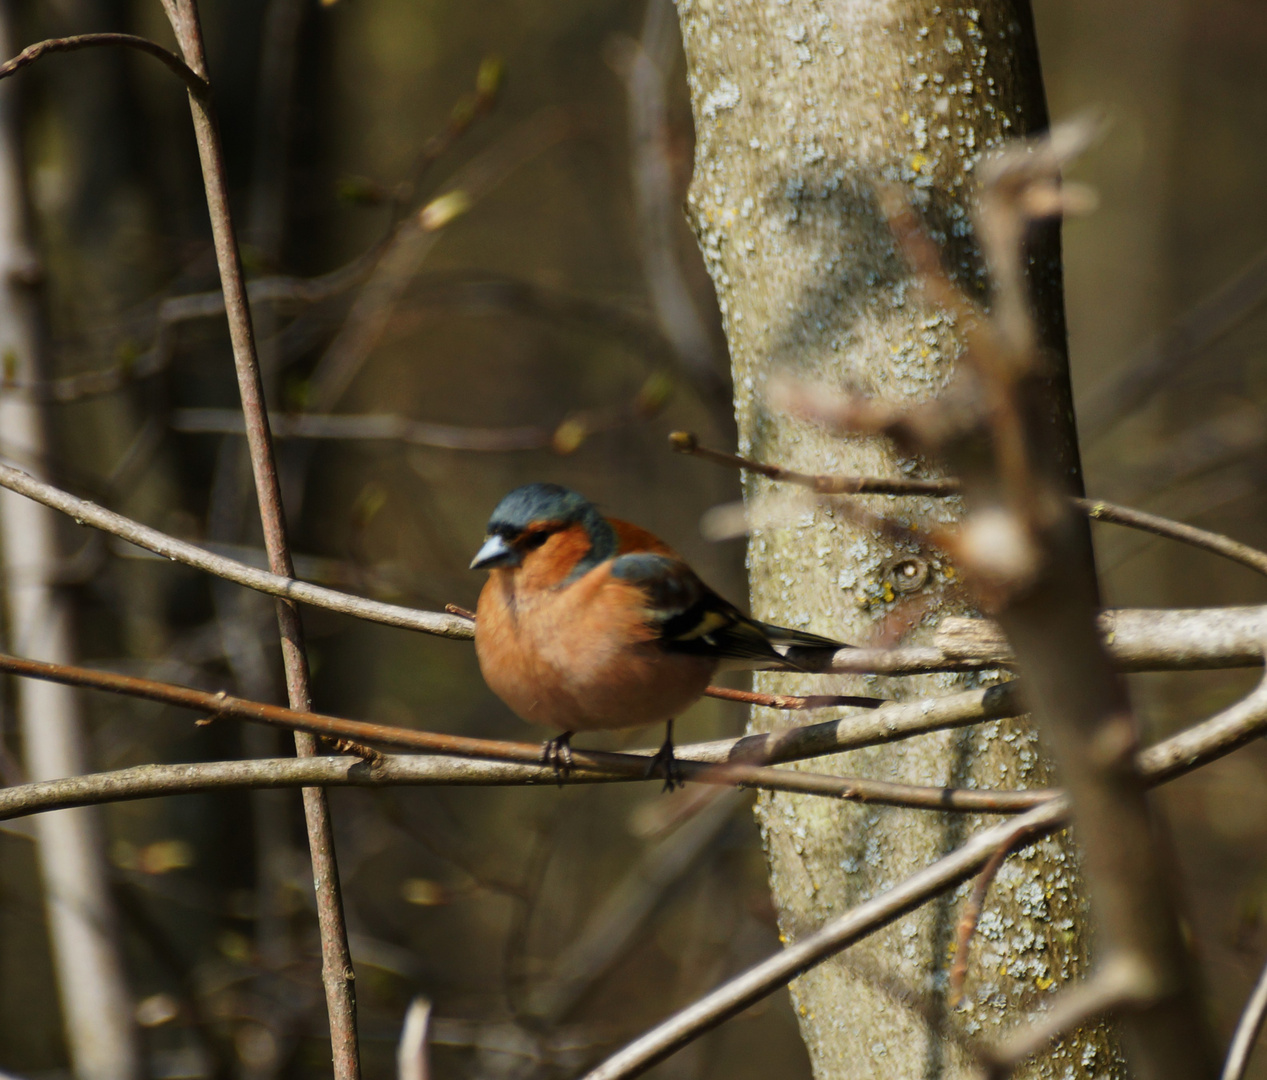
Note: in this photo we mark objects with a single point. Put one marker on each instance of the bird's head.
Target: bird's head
(546, 523)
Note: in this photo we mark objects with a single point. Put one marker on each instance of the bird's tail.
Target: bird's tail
(799, 650)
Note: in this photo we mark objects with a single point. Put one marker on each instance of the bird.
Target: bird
(590, 623)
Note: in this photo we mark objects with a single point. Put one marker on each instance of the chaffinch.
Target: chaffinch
(590, 623)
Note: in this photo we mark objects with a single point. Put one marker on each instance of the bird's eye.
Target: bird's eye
(534, 540)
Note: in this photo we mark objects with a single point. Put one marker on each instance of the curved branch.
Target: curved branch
(1216, 543)
(195, 83)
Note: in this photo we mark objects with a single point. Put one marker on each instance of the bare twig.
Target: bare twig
(972, 913)
(519, 764)
(563, 437)
(1096, 509)
(607, 934)
(685, 442)
(1220, 734)
(196, 84)
(1248, 1028)
(727, 771)
(413, 239)
(790, 701)
(89, 513)
(371, 427)
(336, 960)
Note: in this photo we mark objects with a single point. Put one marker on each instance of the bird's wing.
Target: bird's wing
(689, 617)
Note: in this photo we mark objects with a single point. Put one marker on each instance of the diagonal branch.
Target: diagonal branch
(280, 585)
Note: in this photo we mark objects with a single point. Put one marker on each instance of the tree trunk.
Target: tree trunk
(800, 107)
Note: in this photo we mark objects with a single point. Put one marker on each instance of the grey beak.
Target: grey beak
(495, 552)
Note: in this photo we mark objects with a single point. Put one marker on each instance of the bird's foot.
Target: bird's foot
(557, 753)
(665, 762)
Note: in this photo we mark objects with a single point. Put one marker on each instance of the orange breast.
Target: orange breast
(581, 657)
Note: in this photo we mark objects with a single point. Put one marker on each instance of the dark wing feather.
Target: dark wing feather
(781, 635)
(691, 618)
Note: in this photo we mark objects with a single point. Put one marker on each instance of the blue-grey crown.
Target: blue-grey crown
(553, 502)
(540, 502)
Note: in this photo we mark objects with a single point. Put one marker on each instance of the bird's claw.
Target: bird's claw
(665, 763)
(557, 753)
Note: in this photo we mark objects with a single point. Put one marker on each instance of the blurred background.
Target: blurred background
(538, 334)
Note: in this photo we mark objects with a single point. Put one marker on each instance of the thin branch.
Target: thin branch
(685, 442)
(791, 701)
(194, 82)
(1222, 733)
(763, 979)
(598, 944)
(1097, 509)
(471, 290)
(413, 239)
(971, 916)
(336, 959)
(89, 513)
(513, 764)
(1132, 384)
(725, 772)
(370, 428)
(564, 437)
(1247, 1031)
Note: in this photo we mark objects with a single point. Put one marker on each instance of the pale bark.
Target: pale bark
(800, 107)
(96, 1005)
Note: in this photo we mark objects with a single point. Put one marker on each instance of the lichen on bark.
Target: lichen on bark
(800, 107)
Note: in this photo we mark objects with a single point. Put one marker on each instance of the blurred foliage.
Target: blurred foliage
(353, 122)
